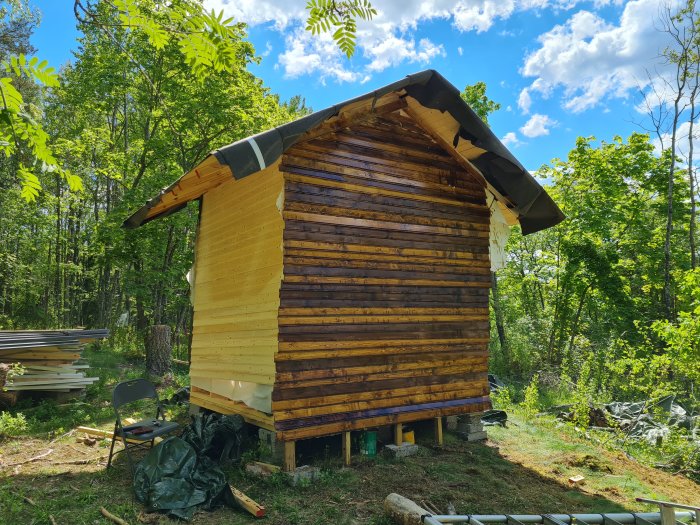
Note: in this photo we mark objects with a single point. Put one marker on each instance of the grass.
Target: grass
(521, 469)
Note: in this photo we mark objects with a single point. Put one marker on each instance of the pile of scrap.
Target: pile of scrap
(49, 360)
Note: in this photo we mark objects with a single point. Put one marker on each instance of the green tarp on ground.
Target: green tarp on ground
(182, 474)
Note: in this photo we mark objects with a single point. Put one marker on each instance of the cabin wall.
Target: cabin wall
(238, 269)
(384, 303)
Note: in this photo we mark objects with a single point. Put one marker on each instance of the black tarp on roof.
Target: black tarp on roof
(501, 169)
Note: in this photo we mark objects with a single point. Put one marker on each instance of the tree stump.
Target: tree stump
(158, 350)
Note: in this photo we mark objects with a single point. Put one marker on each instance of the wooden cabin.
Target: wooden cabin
(342, 267)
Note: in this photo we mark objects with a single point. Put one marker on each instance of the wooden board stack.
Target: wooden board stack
(50, 359)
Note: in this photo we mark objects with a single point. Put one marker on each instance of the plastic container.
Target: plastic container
(368, 443)
(409, 437)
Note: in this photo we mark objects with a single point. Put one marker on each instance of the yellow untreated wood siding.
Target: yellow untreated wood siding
(237, 280)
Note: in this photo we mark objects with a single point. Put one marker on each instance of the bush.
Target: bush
(12, 425)
(531, 403)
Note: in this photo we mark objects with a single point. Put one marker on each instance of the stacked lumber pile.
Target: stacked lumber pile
(50, 359)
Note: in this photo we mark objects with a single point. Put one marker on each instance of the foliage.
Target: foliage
(206, 42)
(531, 403)
(12, 425)
(339, 16)
(128, 119)
(475, 96)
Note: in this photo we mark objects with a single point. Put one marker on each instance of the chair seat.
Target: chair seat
(147, 429)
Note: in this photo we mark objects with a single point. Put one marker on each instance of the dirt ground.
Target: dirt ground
(521, 469)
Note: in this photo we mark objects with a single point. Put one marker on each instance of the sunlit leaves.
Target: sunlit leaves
(339, 17)
(207, 40)
(33, 69)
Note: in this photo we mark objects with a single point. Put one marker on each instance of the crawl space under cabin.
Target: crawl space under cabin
(343, 262)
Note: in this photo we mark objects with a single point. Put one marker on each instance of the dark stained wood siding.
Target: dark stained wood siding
(384, 301)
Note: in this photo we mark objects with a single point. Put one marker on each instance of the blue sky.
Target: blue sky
(559, 68)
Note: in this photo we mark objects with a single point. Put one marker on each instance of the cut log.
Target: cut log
(403, 511)
(111, 517)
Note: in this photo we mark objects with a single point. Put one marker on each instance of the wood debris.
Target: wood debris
(112, 517)
(246, 503)
(576, 480)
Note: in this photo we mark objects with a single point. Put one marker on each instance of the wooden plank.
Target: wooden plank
(290, 460)
(223, 405)
(438, 431)
(469, 388)
(247, 503)
(398, 434)
(358, 424)
(347, 453)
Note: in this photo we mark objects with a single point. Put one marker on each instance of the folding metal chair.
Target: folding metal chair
(141, 433)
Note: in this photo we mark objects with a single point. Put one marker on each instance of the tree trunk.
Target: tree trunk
(158, 350)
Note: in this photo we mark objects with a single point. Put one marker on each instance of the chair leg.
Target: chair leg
(128, 455)
(111, 448)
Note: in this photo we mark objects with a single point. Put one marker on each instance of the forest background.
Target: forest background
(605, 306)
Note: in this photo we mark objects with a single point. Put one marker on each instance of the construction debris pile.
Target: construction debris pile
(46, 360)
(649, 421)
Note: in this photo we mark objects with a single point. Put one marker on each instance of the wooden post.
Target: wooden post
(398, 434)
(346, 449)
(438, 431)
(290, 453)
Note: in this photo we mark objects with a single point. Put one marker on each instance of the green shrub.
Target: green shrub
(12, 425)
(531, 403)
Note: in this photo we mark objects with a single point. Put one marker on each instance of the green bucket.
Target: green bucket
(368, 443)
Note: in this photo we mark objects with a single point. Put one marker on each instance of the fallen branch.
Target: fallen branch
(29, 500)
(116, 519)
(61, 436)
(35, 458)
(83, 461)
(52, 520)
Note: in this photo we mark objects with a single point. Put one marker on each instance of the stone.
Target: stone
(473, 436)
(401, 451)
(452, 422)
(303, 475)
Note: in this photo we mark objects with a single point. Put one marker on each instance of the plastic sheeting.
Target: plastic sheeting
(181, 474)
(499, 232)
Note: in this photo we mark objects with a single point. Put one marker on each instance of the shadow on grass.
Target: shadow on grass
(474, 477)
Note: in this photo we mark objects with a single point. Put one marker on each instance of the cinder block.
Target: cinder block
(401, 451)
(271, 450)
(473, 436)
(303, 475)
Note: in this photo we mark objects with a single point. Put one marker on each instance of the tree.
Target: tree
(475, 96)
(339, 16)
(206, 41)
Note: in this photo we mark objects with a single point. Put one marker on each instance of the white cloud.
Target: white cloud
(511, 138)
(393, 51)
(254, 12)
(592, 59)
(384, 42)
(537, 126)
(308, 54)
(460, 50)
(525, 101)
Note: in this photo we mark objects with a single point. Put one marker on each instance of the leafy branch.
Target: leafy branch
(341, 17)
(21, 134)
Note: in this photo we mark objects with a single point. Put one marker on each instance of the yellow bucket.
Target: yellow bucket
(409, 437)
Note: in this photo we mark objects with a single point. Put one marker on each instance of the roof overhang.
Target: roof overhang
(429, 99)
